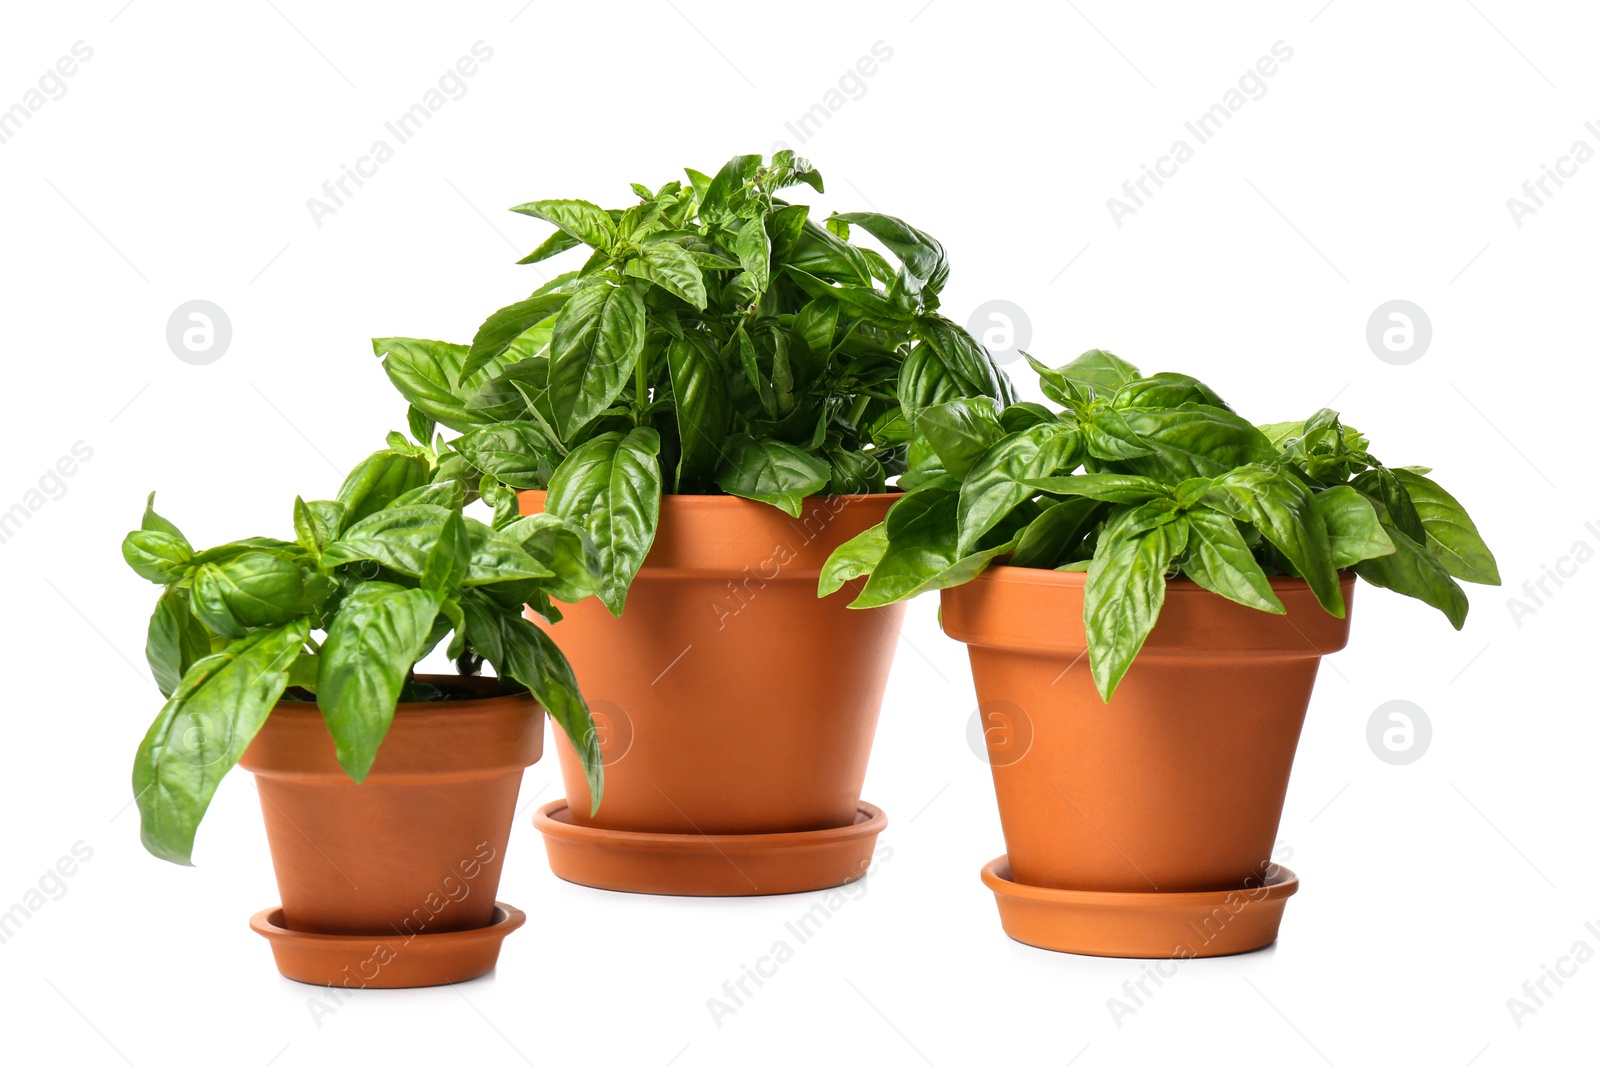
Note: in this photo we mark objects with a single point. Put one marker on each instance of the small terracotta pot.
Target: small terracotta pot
(729, 698)
(418, 847)
(1177, 784)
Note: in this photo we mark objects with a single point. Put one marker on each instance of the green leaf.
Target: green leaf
(156, 555)
(1099, 371)
(501, 329)
(965, 359)
(518, 453)
(673, 269)
(317, 523)
(1413, 571)
(1384, 485)
(446, 566)
(816, 322)
(1112, 488)
(578, 218)
(401, 537)
(925, 382)
(250, 590)
(565, 548)
(853, 559)
(155, 523)
(1282, 509)
(427, 374)
(773, 472)
(174, 640)
(202, 731)
(611, 487)
(597, 339)
(1218, 559)
(1055, 532)
(995, 483)
(1195, 441)
(1166, 390)
(754, 252)
(701, 407)
(379, 633)
(961, 430)
(553, 245)
(922, 553)
(922, 258)
(1451, 536)
(377, 480)
(520, 650)
(1354, 532)
(1126, 586)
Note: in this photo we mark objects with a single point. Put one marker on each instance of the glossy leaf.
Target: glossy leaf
(597, 339)
(501, 329)
(1413, 571)
(853, 559)
(1354, 532)
(203, 729)
(1451, 536)
(1282, 509)
(380, 631)
(1217, 559)
(578, 218)
(611, 487)
(996, 481)
(773, 472)
(1126, 586)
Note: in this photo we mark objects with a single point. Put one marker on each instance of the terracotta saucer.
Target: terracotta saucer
(1150, 925)
(359, 961)
(708, 865)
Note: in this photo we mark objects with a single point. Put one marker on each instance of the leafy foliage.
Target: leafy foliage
(717, 339)
(387, 571)
(1138, 479)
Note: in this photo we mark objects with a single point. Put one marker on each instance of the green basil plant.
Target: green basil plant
(717, 339)
(1138, 479)
(385, 572)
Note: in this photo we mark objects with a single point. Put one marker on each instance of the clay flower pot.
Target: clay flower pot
(736, 709)
(1142, 827)
(383, 882)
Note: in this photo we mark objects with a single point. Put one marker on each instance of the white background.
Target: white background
(1377, 165)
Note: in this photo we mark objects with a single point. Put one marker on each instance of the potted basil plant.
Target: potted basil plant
(1146, 583)
(719, 393)
(388, 795)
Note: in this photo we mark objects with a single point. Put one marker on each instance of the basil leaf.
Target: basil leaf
(427, 374)
(401, 537)
(1412, 570)
(203, 729)
(501, 329)
(1451, 536)
(961, 430)
(174, 641)
(1218, 559)
(1282, 509)
(377, 480)
(1055, 532)
(673, 269)
(1354, 532)
(1112, 488)
(578, 218)
(250, 590)
(611, 487)
(995, 482)
(700, 395)
(853, 559)
(1126, 586)
(597, 339)
(773, 472)
(520, 454)
(379, 633)
(156, 555)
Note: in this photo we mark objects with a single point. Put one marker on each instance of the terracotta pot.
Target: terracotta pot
(1177, 784)
(730, 699)
(417, 848)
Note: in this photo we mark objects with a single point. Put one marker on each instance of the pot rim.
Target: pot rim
(729, 500)
(417, 707)
(1182, 584)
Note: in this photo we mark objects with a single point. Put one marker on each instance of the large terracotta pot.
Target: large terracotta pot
(417, 848)
(1178, 783)
(729, 698)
